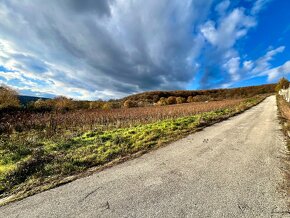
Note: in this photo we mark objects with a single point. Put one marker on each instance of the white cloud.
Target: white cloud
(259, 5)
(263, 63)
(233, 67)
(231, 27)
(277, 72)
(105, 47)
(222, 36)
(111, 48)
(222, 7)
(248, 65)
(260, 67)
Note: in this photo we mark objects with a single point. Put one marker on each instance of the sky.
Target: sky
(88, 49)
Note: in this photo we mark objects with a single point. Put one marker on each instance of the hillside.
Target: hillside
(203, 95)
(26, 99)
(157, 97)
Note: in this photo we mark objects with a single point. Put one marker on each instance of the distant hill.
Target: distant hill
(24, 100)
(203, 95)
(151, 97)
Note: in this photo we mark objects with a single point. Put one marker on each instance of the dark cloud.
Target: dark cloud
(105, 48)
(101, 7)
(120, 46)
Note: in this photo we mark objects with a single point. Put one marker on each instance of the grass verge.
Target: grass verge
(26, 169)
(284, 115)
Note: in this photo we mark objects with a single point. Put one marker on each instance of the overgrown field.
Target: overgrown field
(50, 123)
(39, 150)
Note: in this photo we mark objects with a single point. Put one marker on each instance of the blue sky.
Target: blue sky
(112, 48)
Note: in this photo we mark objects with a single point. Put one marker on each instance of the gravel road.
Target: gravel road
(231, 169)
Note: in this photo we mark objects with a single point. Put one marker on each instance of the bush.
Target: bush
(171, 100)
(129, 104)
(110, 105)
(162, 102)
(62, 103)
(96, 104)
(180, 100)
(282, 84)
(189, 99)
(8, 98)
(42, 105)
(200, 98)
(82, 104)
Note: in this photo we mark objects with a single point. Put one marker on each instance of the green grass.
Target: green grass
(28, 165)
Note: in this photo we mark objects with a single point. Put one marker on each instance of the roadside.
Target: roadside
(284, 112)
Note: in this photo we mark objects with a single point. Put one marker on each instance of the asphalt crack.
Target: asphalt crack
(89, 194)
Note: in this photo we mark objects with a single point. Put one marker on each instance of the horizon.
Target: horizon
(112, 49)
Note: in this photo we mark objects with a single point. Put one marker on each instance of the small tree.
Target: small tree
(282, 84)
(8, 98)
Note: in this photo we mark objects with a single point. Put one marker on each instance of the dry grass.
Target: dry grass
(85, 120)
(284, 109)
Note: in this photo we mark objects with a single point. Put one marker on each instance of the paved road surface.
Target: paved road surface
(230, 169)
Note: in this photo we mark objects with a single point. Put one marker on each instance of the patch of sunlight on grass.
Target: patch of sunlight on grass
(6, 168)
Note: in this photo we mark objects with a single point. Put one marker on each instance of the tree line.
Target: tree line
(9, 99)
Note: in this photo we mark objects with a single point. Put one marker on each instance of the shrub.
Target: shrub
(282, 84)
(162, 101)
(111, 105)
(63, 103)
(180, 100)
(96, 104)
(129, 104)
(8, 98)
(200, 98)
(43, 105)
(190, 99)
(171, 100)
(82, 104)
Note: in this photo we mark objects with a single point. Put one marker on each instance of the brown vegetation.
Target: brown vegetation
(8, 98)
(284, 109)
(282, 84)
(169, 97)
(87, 119)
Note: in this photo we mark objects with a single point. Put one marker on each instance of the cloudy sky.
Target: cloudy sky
(91, 49)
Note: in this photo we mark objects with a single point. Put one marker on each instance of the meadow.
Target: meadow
(41, 150)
